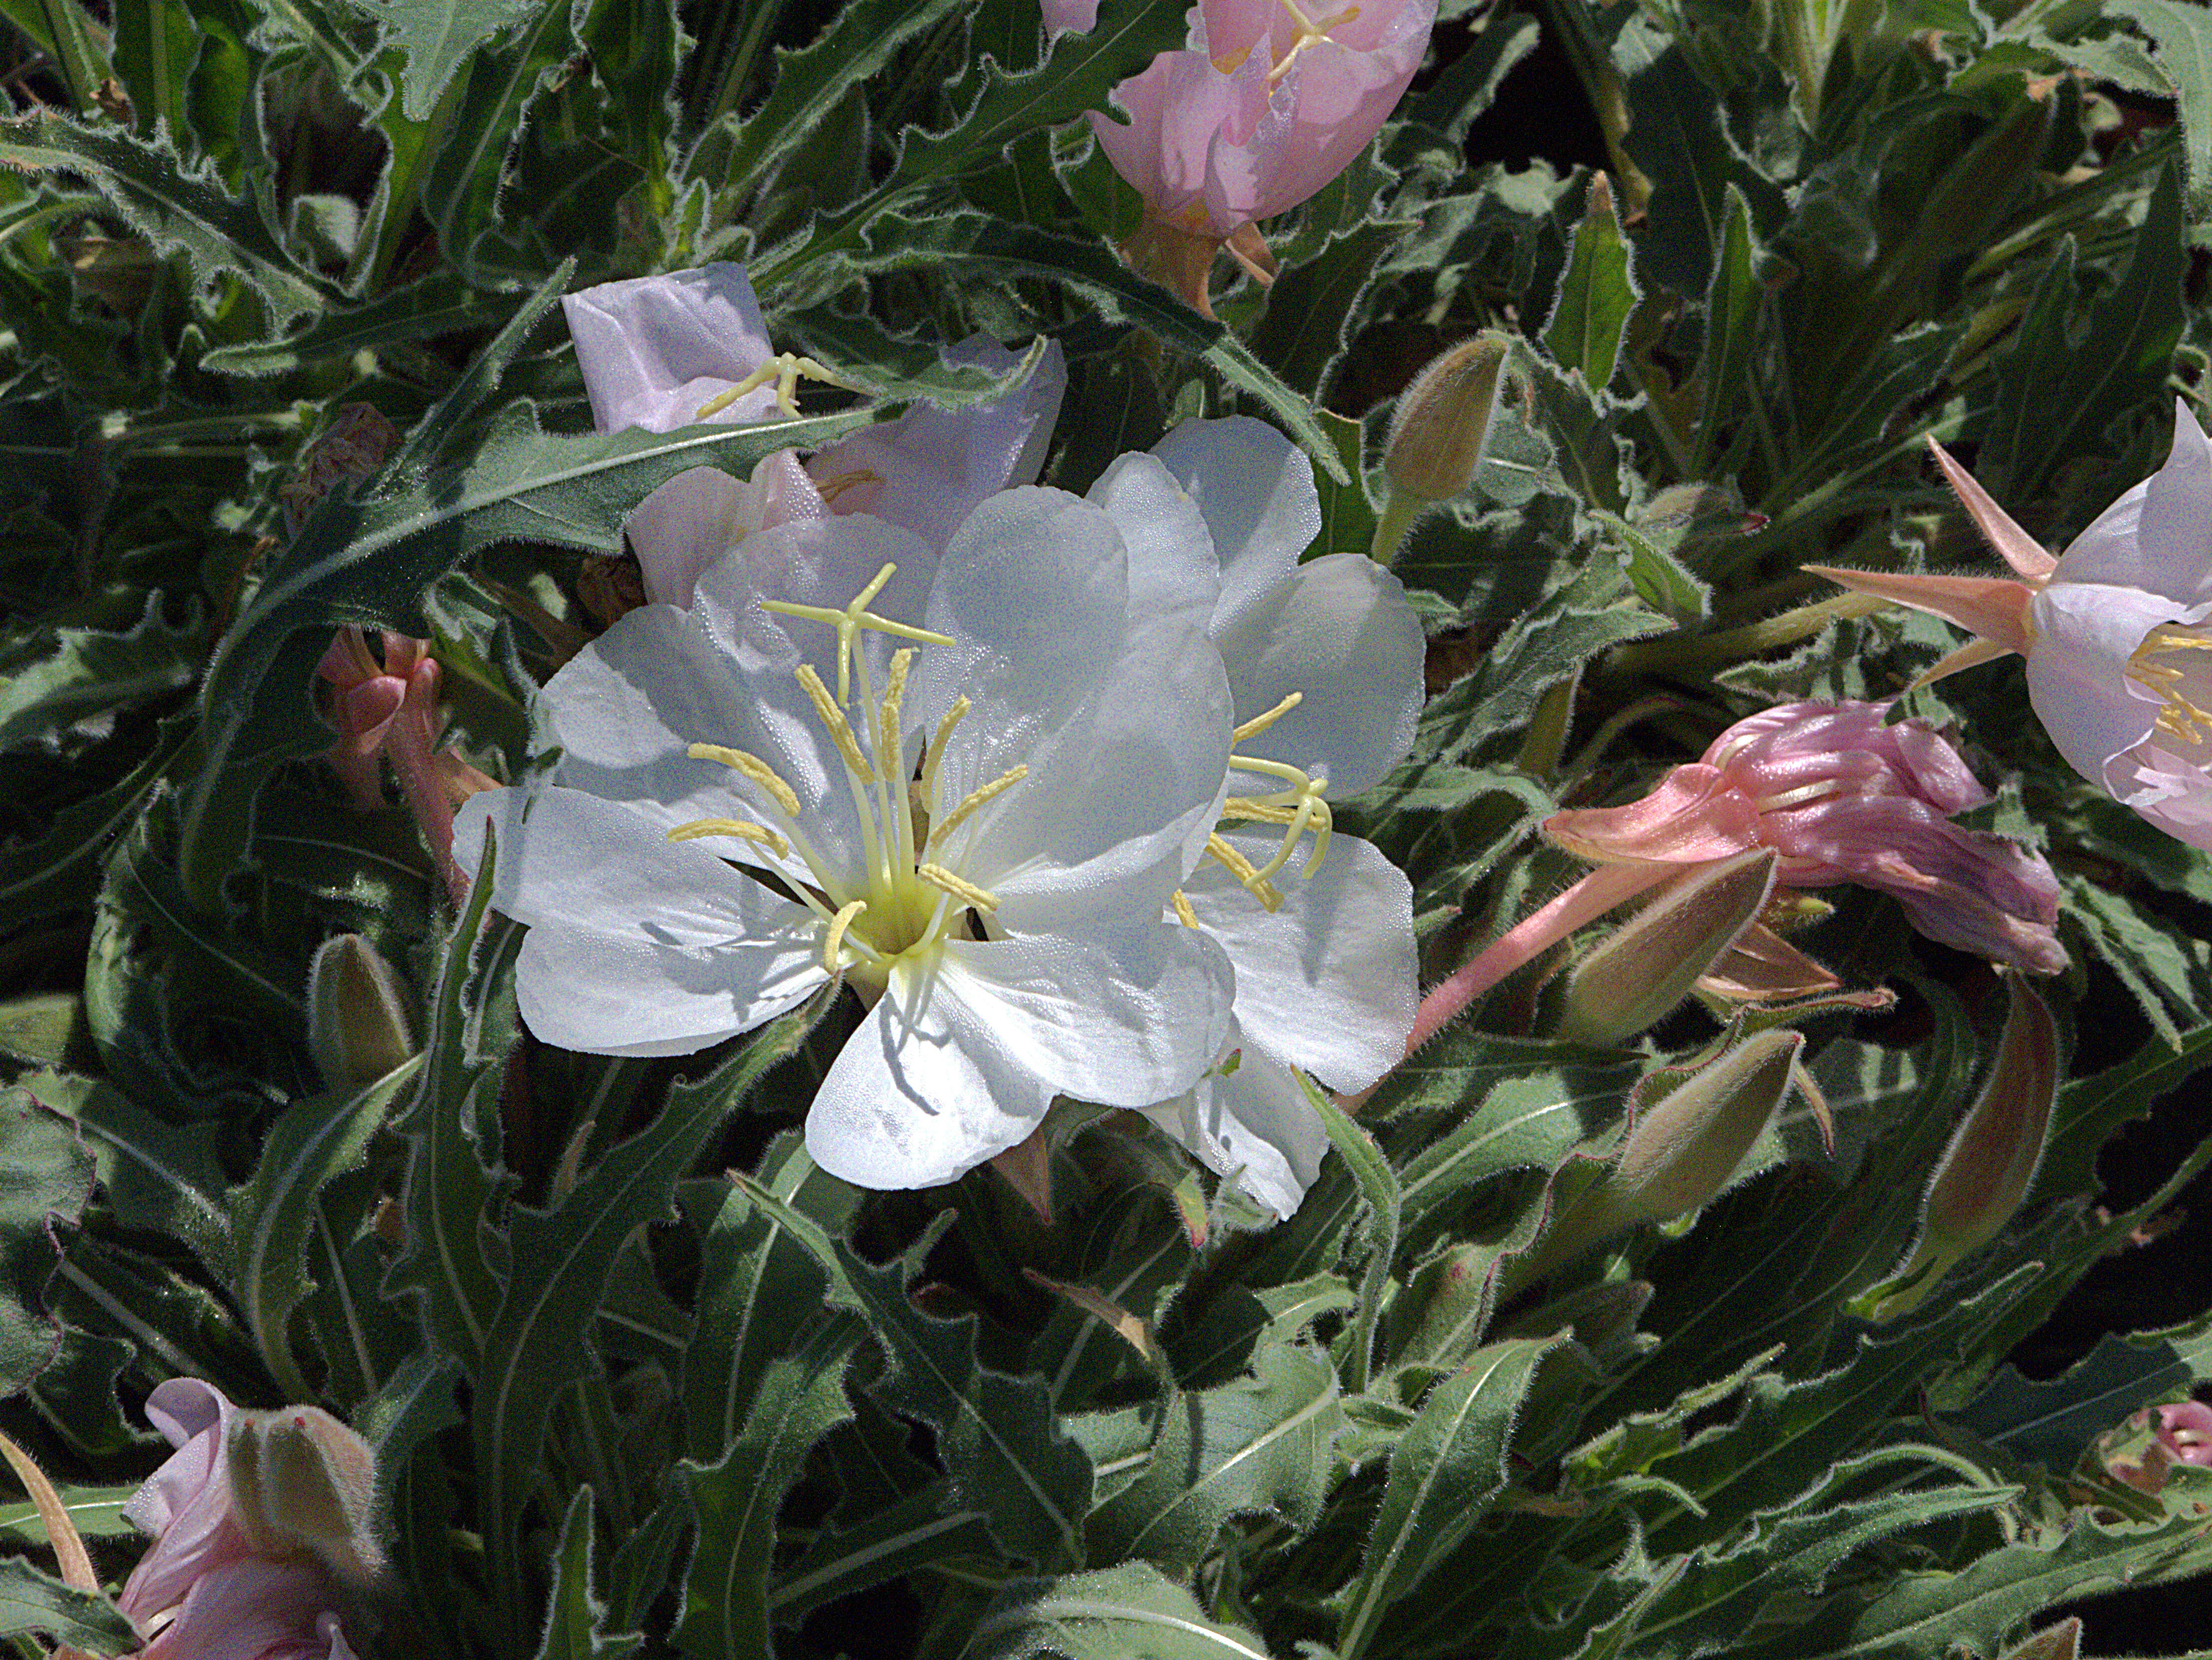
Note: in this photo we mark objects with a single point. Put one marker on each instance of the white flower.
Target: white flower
(2117, 632)
(978, 821)
(663, 352)
(1324, 665)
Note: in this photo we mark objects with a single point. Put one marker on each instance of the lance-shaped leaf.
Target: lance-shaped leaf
(33, 1600)
(575, 1618)
(1126, 1613)
(1446, 1468)
(999, 1436)
(909, 1535)
(801, 1398)
(1259, 1443)
(45, 1171)
(1379, 1189)
(1597, 292)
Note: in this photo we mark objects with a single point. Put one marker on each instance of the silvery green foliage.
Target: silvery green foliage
(641, 1378)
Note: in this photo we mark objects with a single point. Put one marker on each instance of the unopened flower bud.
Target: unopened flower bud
(301, 1481)
(1984, 1174)
(1442, 423)
(357, 1024)
(359, 441)
(1637, 977)
(1681, 1154)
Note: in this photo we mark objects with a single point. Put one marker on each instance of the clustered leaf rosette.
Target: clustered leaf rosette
(2116, 632)
(212, 1586)
(1270, 100)
(1324, 664)
(689, 347)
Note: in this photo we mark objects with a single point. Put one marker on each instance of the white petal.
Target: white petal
(933, 466)
(918, 1095)
(654, 349)
(1255, 1126)
(2158, 537)
(1173, 572)
(637, 946)
(2170, 790)
(1328, 980)
(1118, 786)
(1340, 632)
(2077, 669)
(697, 517)
(1256, 490)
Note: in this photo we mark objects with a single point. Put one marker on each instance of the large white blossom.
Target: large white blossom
(669, 351)
(971, 785)
(1324, 664)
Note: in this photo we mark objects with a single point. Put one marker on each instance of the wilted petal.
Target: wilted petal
(1252, 1124)
(655, 349)
(252, 1610)
(1693, 815)
(697, 517)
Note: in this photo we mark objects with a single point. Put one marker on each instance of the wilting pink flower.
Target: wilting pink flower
(206, 1590)
(664, 352)
(1841, 797)
(2117, 632)
(1270, 100)
(2185, 1430)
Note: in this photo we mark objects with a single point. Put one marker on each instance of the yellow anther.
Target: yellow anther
(1299, 807)
(851, 619)
(1309, 810)
(1184, 914)
(1310, 34)
(785, 368)
(959, 887)
(840, 730)
(753, 769)
(1259, 723)
(892, 709)
(834, 941)
(974, 799)
(1245, 871)
(738, 827)
(952, 718)
(839, 483)
(2180, 717)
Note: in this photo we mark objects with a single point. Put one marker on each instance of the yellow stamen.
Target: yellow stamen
(1300, 807)
(893, 707)
(834, 941)
(784, 369)
(1259, 723)
(840, 730)
(1245, 871)
(738, 827)
(1184, 914)
(1308, 810)
(937, 876)
(838, 484)
(1310, 34)
(850, 619)
(974, 799)
(753, 769)
(2179, 717)
(952, 718)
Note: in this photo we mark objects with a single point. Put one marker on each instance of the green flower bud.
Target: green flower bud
(1637, 977)
(302, 1481)
(357, 1024)
(1986, 1171)
(1438, 436)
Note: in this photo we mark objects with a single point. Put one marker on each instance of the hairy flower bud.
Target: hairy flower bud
(302, 1481)
(1442, 423)
(1637, 977)
(357, 1024)
(1985, 1172)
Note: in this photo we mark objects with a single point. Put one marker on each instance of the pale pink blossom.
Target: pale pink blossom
(664, 352)
(205, 1590)
(2116, 632)
(2185, 1430)
(1841, 795)
(1268, 102)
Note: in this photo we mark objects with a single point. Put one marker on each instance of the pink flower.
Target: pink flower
(1843, 797)
(219, 1583)
(2185, 1430)
(1840, 797)
(664, 352)
(1270, 101)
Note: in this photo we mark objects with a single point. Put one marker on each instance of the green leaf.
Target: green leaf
(33, 1600)
(1126, 1613)
(2053, 1422)
(96, 1513)
(2181, 42)
(801, 1398)
(44, 1171)
(1529, 1122)
(1597, 292)
(1660, 580)
(1734, 301)
(60, 871)
(887, 1544)
(70, 37)
(177, 208)
(538, 1339)
(997, 1435)
(1446, 1470)
(161, 1177)
(1379, 1192)
(575, 1618)
(1259, 1443)
(271, 1215)
(438, 39)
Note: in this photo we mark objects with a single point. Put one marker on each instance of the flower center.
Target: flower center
(2170, 662)
(1298, 806)
(786, 369)
(911, 894)
(1310, 33)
